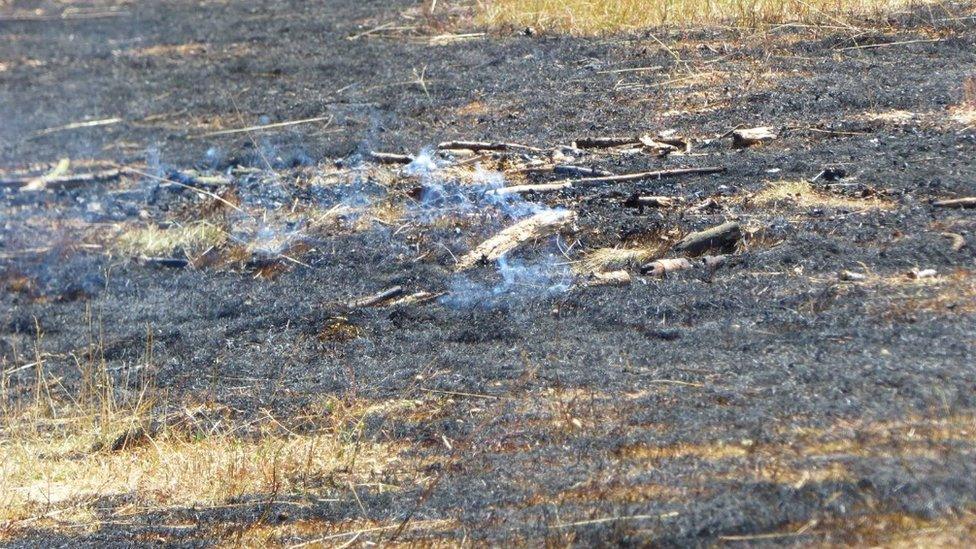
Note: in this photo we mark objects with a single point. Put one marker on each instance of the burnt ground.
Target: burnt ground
(768, 399)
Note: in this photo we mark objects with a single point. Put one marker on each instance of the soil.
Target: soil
(686, 407)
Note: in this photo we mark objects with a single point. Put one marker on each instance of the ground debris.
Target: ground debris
(851, 276)
(722, 237)
(662, 267)
(539, 225)
(390, 158)
(637, 201)
(60, 182)
(610, 278)
(967, 202)
(375, 299)
(751, 136)
(486, 146)
(588, 182)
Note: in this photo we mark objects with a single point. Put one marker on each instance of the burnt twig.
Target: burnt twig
(587, 182)
(375, 299)
(63, 182)
(486, 146)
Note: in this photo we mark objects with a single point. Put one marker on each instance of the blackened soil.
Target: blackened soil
(683, 405)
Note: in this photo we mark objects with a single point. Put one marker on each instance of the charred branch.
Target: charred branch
(637, 201)
(61, 182)
(486, 146)
(723, 237)
(579, 171)
(606, 142)
(377, 298)
(587, 182)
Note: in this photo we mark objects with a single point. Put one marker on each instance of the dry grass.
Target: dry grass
(965, 112)
(802, 194)
(60, 464)
(587, 17)
(113, 448)
(954, 294)
(153, 241)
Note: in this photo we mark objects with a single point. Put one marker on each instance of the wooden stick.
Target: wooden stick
(264, 127)
(170, 262)
(662, 267)
(579, 171)
(77, 125)
(486, 146)
(967, 202)
(958, 241)
(66, 16)
(374, 299)
(751, 136)
(605, 142)
(390, 158)
(539, 225)
(597, 181)
(652, 201)
(64, 182)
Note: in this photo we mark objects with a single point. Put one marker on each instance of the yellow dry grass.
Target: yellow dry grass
(589, 17)
(58, 467)
(155, 241)
(803, 195)
(113, 449)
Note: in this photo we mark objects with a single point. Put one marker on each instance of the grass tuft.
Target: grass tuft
(154, 241)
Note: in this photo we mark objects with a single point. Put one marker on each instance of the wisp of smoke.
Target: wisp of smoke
(519, 282)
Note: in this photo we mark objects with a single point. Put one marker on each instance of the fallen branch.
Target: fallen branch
(597, 181)
(610, 278)
(418, 298)
(751, 136)
(967, 202)
(539, 225)
(662, 267)
(958, 241)
(374, 299)
(390, 158)
(605, 142)
(77, 125)
(169, 262)
(65, 16)
(264, 127)
(722, 237)
(62, 182)
(486, 146)
(636, 201)
(579, 171)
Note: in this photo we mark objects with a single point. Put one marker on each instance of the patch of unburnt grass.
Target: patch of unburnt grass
(803, 194)
(948, 295)
(582, 17)
(97, 452)
(155, 241)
